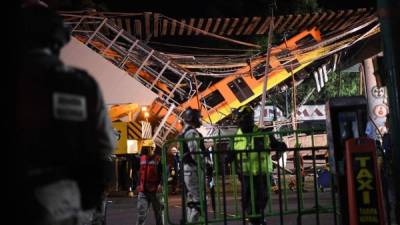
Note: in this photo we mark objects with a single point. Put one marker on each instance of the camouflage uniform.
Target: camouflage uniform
(190, 176)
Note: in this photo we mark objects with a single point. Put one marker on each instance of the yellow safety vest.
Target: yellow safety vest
(250, 161)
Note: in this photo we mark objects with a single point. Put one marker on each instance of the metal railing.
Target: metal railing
(295, 191)
(152, 69)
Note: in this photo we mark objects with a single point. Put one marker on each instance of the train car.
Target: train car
(246, 84)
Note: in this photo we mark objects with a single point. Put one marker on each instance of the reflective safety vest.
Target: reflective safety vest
(250, 161)
(150, 176)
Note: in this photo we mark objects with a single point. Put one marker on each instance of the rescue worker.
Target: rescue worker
(149, 186)
(253, 167)
(63, 132)
(191, 118)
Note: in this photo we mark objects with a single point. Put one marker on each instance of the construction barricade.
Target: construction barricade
(297, 181)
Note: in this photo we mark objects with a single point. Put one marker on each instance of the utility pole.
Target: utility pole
(375, 95)
(294, 93)
(269, 45)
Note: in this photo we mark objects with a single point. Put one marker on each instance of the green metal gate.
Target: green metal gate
(297, 192)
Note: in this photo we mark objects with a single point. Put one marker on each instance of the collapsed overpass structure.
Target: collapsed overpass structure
(173, 81)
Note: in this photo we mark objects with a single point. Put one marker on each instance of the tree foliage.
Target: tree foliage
(339, 84)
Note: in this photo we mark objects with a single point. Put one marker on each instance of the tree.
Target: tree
(345, 84)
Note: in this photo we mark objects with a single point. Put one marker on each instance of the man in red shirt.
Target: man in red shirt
(150, 185)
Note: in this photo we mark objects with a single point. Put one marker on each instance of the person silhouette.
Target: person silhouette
(191, 165)
(254, 168)
(63, 132)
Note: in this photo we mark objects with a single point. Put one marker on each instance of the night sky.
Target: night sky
(196, 8)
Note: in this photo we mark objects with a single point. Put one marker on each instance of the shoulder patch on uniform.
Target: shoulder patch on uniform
(69, 107)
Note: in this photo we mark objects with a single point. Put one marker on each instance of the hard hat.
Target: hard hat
(148, 143)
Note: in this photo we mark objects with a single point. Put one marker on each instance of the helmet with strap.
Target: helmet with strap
(43, 27)
(192, 117)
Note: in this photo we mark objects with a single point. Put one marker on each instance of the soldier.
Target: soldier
(63, 133)
(191, 118)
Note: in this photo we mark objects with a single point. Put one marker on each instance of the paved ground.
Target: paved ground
(122, 210)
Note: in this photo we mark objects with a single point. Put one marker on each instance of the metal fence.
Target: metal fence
(298, 189)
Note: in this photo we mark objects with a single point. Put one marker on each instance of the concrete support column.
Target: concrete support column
(376, 96)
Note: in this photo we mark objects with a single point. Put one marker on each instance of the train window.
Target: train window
(213, 99)
(283, 57)
(240, 89)
(305, 40)
(284, 53)
(259, 71)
